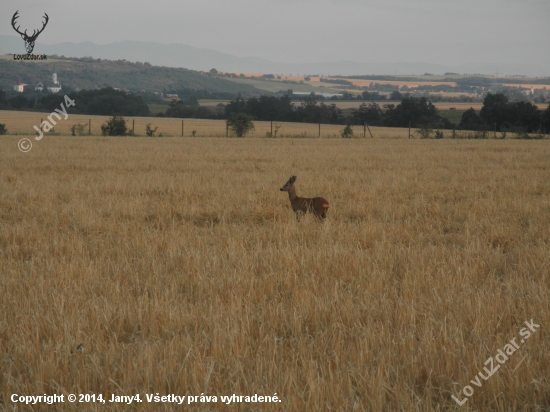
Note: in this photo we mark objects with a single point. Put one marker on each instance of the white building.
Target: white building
(19, 87)
(53, 87)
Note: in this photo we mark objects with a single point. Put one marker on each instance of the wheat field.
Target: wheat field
(21, 123)
(175, 266)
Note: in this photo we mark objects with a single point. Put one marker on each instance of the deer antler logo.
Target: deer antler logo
(29, 40)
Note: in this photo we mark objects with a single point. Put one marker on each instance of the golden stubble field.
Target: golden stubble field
(179, 268)
(21, 123)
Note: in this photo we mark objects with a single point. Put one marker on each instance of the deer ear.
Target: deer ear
(293, 179)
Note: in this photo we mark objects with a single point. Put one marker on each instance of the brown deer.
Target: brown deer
(302, 205)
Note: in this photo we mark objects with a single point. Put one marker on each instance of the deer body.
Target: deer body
(302, 205)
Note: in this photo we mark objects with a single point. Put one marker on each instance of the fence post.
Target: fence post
(182, 128)
(369, 130)
(226, 129)
(495, 134)
(272, 128)
(364, 130)
(409, 130)
(89, 127)
(134, 126)
(319, 129)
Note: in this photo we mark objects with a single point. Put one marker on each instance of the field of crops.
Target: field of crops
(21, 123)
(176, 266)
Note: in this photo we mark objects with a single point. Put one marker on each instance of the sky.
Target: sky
(449, 32)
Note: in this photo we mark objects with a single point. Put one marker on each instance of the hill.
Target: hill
(88, 73)
(182, 55)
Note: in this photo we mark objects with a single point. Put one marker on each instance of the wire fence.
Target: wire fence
(23, 123)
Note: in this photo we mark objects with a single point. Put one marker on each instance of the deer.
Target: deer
(302, 205)
(29, 40)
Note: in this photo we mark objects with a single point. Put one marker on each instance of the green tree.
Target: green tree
(3, 129)
(416, 112)
(18, 102)
(519, 115)
(3, 101)
(495, 110)
(370, 113)
(470, 120)
(425, 132)
(240, 124)
(347, 132)
(545, 118)
(396, 95)
(115, 126)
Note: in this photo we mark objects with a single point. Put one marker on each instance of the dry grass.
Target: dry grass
(180, 268)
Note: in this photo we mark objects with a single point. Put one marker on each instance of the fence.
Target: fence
(21, 123)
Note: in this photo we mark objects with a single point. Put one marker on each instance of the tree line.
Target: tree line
(498, 112)
(106, 102)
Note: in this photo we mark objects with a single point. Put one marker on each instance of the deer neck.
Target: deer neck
(292, 194)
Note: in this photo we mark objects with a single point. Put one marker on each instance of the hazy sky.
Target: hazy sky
(447, 32)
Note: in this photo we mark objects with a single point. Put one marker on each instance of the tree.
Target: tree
(18, 102)
(545, 118)
(347, 132)
(115, 126)
(416, 112)
(372, 96)
(525, 115)
(425, 132)
(494, 110)
(368, 113)
(213, 72)
(470, 120)
(520, 115)
(180, 109)
(240, 123)
(3, 129)
(235, 106)
(3, 102)
(396, 95)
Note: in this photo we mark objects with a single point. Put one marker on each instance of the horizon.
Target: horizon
(410, 68)
(487, 33)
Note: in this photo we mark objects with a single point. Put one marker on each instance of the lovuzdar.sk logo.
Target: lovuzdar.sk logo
(29, 40)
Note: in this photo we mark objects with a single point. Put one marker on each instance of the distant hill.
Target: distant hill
(181, 55)
(94, 74)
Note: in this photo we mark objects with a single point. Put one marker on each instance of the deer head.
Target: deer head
(288, 184)
(29, 40)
